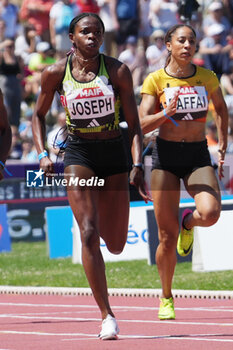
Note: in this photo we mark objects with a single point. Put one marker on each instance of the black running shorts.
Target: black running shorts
(104, 157)
(180, 158)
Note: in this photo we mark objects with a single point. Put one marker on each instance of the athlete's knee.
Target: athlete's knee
(210, 216)
(90, 237)
(115, 248)
(168, 238)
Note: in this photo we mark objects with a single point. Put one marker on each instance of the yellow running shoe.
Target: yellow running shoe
(166, 309)
(185, 239)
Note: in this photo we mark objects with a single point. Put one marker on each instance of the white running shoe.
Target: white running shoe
(109, 329)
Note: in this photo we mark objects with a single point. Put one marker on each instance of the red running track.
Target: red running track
(54, 322)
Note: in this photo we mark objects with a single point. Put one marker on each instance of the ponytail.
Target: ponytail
(168, 59)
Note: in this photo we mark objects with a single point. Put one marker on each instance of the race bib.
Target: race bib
(91, 102)
(191, 99)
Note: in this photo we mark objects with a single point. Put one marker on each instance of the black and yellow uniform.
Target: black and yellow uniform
(194, 92)
(93, 107)
(182, 158)
(90, 106)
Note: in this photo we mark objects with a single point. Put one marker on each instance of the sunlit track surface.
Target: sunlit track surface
(32, 319)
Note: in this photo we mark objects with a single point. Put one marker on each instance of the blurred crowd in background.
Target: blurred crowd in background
(34, 34)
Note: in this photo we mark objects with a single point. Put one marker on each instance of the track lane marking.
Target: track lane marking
(118, 307)
(197, 337)
(79, 319)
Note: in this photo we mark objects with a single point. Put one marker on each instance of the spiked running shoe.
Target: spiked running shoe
(185, 239)
(166, 309)
(109, 329)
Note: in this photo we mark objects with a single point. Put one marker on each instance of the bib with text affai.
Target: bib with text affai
(192, 102)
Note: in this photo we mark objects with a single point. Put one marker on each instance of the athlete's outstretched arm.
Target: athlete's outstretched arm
(222, 126)
(130, 111)
(50, 83)
(151, 120)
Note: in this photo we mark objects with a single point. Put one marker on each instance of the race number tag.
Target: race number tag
(191, 99)
(90, 102)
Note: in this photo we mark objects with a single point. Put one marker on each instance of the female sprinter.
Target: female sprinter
(175, 100)
(92, 88)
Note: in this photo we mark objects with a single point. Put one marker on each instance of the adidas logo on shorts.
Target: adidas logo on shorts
(187, 117)
(93, 123)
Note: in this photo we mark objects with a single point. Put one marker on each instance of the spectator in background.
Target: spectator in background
(215, 15)
(16, 146)
(227, 85)
(56, 137)
(37, 14)
(163, 14)
(215, 50)
(105, 15)
(25, 44)
(135, 59)
(29, 154)
(2, 30)
(11, 74)
(211, 136)
(145, 28)
(5, 136)
(88, 6)
(156, 53)
(25, 126)
(10, 14)
(42, 58)
(38, 61)
(230, 42)
(61, 14)
(230, 140)
(228, 6)
(126, 20)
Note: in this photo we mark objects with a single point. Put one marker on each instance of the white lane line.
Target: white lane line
(79, 319)
(38, 314)
(118, 307)
(197, 337)
(158, 337)
(48, 334)
(49, 305)
(205, 339)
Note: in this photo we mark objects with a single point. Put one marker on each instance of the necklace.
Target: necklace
(87, 60)
(178, 73)
(81, 71)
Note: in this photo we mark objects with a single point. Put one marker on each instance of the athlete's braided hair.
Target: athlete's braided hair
(168, 37)
(76, 19)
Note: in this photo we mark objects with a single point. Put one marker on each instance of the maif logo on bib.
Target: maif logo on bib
(91, 102)
(191, 99)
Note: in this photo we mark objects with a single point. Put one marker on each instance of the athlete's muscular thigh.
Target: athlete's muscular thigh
(114, 212)
(202, 180)
(165, 189)
(83, 201)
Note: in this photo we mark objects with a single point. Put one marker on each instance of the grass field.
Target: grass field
(28, 264)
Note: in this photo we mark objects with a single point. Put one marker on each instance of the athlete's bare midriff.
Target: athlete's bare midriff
(187, 131)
